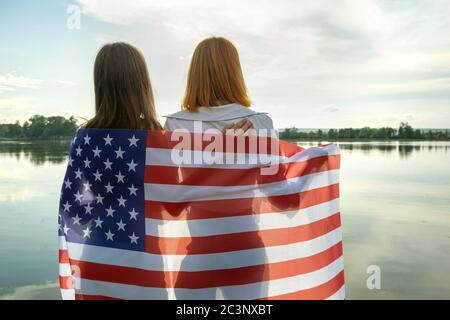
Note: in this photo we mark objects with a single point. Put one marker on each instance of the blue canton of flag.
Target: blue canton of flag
(102, 198)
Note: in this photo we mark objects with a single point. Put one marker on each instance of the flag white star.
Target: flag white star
(78, 150)
(108, 140)
(78, 196)
(98, 176)
(76, 220)
(109, 235)
(133, 238)
(133, 141)
(87, 186)
(108, 164)
(66, 229)
(121, 225)
(133, 190)
(78, 174)
(119, 153)
(66, 206)
(99, 198)
(68, 184)
(87, 163)
(98, 222)
(109, 188)
(121, 201)
(74, 140)
(133, 214)
(87, 233)
(70, 161)
(132, 166)
(110, 212)
(88, 208)
(96, 152)
(120, 177)
(87, 139)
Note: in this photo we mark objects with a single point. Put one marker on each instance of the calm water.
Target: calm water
(395, 206)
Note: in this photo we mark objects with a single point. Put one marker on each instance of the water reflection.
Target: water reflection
(403, 149)
(37, 152)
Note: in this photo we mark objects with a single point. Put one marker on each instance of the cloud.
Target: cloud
(11, 107)
(331, 109)
(34, 292)
(10, 82)
(302, 55)
(67, 83)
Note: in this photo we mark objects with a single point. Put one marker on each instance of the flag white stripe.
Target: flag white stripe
(65, 270)
(168, 157)
(218, 226)
(203, 262)
(338, 295)
(67, 294)
(185, 193)
(257, 290)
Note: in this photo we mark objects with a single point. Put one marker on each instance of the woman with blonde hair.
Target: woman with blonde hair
(216, 93)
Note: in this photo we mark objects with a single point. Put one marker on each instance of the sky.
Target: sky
(309, 63)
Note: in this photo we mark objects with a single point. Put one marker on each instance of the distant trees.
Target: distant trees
(40, 127)
(405, 131)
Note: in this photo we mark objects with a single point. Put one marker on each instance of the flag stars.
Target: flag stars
(132, 166)
(108, 164)
(108, 140)
(96, 152)
(120, 177)
(99, 198)
(121, 225)
(87, 186)
(110, 212)
(88, 208)
(133, 190)
(70, 162)
(78, 174)
(76, 220)
(66, 229)
(68, 184)
(133, 141)
(119, 153)
(78, 196)
(98, 176)
(133, 238)
(87, 139)
(78, 150)
(133, 214)
(87, 233)
(67, 206)
(98, 222)
(109, 235)
(109, 188)
(87, 163)
(121, 201)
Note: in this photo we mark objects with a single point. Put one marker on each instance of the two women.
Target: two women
(215, 93)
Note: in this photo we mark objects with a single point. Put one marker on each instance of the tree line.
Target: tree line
(40, 127)
(404, 132)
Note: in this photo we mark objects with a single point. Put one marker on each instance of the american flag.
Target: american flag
(135, 224)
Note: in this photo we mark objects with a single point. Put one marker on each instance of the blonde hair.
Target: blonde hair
(215, 76)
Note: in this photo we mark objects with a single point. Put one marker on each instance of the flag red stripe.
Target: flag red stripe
(317, 293)
(239, 207)
(162, 140)
(210, 278)
(65, 282)
(205, 176)
(242, 240)
(63, 256)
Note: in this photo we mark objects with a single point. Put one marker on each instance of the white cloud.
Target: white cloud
(302, 55)
(14, 108)
(67, 83)
(10, 82)
(34, 292)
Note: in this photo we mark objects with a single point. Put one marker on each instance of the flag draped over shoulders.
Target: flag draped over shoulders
(160, 215)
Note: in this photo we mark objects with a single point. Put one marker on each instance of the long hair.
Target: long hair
(123, 92)
(215, 76)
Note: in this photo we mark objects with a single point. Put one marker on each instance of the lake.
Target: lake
(395, 201)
